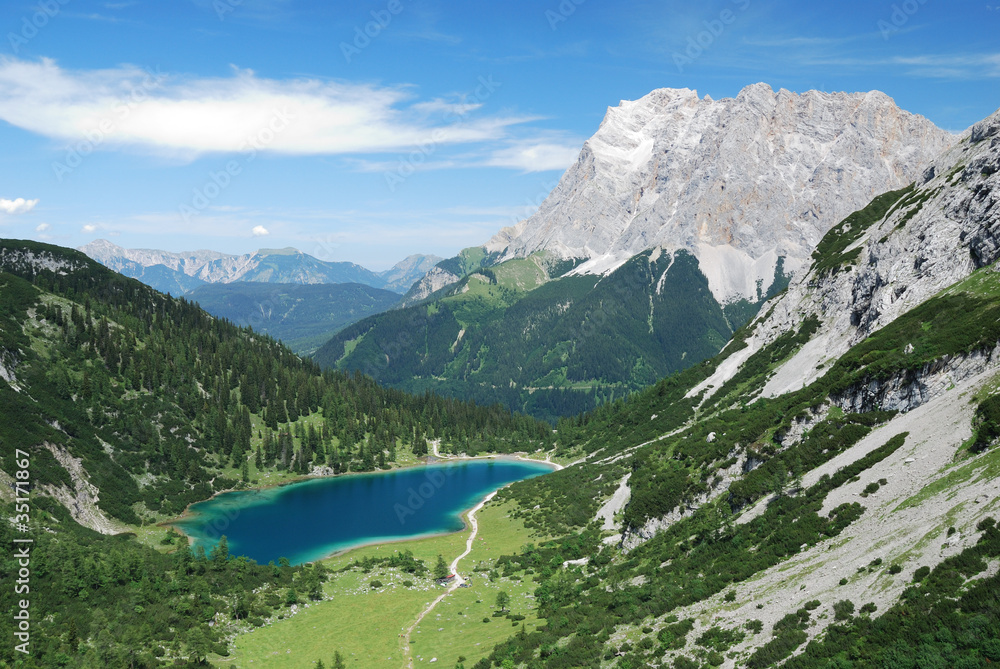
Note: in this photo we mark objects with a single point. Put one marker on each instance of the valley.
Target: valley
(725, 394)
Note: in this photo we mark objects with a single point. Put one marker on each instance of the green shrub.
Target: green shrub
(843, 610)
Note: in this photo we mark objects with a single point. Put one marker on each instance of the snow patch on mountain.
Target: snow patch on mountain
(737, 182)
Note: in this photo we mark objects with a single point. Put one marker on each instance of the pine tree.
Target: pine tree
(440, 568)
(72, 636)
(220, 553)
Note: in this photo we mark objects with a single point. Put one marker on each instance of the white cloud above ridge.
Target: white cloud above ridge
(129, 107)
(260, 231)
(16, 206)
(530, 154)
(536, 156)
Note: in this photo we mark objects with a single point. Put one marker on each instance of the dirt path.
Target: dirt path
(474, 525)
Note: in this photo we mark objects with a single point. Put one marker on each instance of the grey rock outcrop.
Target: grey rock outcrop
(738, 182)
(949, 228)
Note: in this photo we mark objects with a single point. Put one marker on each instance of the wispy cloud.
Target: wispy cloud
(536, 156)
(932, 66)
(95, 16)
(15, 207)
(195, 115)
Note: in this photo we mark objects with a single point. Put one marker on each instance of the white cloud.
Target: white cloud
(260, 231)
(128, 107)
(932, 66)
(43, 227)
(89, 229)
(536, 156)
(18, 206)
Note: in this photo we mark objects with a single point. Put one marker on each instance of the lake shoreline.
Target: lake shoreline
(431, 459)
(435, 458)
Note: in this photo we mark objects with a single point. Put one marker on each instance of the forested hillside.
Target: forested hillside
(130, 405)
(301, 316)
(519, 334)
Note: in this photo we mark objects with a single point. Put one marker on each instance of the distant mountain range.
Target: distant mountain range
(285, 293)
(180, 273)
(681, 216)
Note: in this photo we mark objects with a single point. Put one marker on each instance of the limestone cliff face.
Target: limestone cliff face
(737, 182)
(935, 237)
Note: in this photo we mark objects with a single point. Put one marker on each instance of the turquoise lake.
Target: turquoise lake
(311, 519)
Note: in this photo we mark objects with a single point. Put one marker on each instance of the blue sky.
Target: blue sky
(234, 125)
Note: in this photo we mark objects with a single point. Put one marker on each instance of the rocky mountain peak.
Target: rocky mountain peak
(739, 182)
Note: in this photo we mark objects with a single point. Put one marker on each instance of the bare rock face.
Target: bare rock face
(737, 182)
(433, 281)
(946, 229)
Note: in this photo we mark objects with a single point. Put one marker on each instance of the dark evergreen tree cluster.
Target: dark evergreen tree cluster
(109, 602)
(563, 348)
(142, 385)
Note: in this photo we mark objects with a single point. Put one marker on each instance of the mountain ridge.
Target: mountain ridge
(187, 270)
(744, 186)
(674, 170)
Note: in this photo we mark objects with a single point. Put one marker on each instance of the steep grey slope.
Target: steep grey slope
(737, 182)
(408, 271)
(867, 273)
(932, 238)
